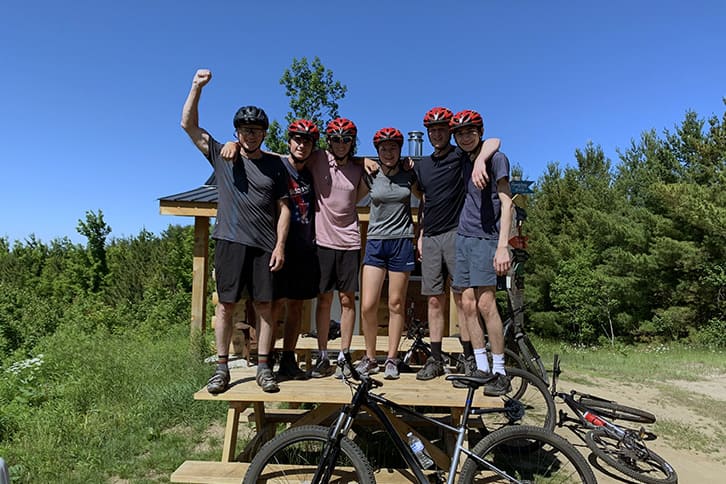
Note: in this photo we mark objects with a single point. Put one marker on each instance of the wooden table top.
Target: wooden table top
(406, 391)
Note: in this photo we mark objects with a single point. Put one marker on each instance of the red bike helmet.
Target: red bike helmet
(387, 134)
(437, 116)
(341, 127)
(466, 118)
(305, 128)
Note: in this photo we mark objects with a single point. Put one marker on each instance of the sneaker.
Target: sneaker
(289, 370)
(321, 368)
(469, 369)
(266, 380)
(499, 386)
(431, 369)
(342, 371)
(218, 382)
(367, 366)
(390, 371)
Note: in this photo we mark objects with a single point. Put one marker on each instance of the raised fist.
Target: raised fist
(202, 77)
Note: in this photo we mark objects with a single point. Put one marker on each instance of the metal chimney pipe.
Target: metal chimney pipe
(415, 144)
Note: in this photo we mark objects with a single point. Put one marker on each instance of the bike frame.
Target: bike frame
(363, 399)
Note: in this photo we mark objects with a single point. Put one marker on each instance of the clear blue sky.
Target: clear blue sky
(92, 90)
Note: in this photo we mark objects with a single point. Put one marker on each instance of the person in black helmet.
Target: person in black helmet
(251, 226)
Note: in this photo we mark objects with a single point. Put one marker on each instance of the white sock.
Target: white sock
(498, 364)
(323, 355)
(482, 363)
(341, 356)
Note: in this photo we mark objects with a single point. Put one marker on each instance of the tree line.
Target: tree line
(631, 251)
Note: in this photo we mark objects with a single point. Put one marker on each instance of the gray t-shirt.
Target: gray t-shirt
(248, 193)
(390, 216)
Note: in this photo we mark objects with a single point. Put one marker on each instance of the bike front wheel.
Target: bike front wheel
(525, 454)
(631, 457)
(294, 455)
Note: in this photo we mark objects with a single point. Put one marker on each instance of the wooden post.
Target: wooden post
(199, 274)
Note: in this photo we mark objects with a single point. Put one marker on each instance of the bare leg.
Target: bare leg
(264, 325)
(370, 295)
(292, 324)
(488, 309)
(223, 327)
(436, 316)
(463, 328)
(322, 318)
(397, 286)
(471, 318)
(347, 318)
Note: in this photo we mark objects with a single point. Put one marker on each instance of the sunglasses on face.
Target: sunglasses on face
(341, 139)
(300, 139)
(250, 131)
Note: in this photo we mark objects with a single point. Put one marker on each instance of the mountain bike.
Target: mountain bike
(514, 454)
(619, 447)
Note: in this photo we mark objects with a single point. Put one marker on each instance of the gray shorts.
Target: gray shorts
(437, 262)
(475, 262)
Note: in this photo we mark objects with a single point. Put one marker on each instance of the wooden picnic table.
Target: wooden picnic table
(327, 395)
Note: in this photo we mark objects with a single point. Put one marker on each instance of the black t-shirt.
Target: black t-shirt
(301, 236)
(442, 183)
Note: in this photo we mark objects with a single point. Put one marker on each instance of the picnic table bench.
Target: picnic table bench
(248, 403)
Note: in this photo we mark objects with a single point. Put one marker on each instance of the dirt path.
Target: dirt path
(690, 422)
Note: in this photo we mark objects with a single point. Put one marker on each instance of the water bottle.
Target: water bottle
(593, 419)
(419, 451)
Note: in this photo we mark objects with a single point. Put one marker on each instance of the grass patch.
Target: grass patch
(103, 407)
(681, 436)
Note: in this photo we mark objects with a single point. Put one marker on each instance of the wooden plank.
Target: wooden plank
(405, 391)
(230, 431)
(189, 209)
(450, 344)
(203, 472)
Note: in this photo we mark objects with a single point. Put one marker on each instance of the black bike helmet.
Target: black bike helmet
(251, 115)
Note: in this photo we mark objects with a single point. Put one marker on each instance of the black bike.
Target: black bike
(514, 454)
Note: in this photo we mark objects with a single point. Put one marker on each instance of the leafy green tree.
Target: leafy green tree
(95, 229)
(314, 95)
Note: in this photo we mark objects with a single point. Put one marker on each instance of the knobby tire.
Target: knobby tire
(293, 456)
(635, 460)
(527, 454)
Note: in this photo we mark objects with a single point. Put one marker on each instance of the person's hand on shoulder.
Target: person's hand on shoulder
(229, 150)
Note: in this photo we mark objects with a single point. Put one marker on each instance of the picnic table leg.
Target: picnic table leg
(230, 431)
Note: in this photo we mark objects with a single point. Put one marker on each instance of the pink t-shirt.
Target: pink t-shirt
(336, 193)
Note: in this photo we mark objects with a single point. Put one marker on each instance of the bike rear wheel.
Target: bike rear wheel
(615, 411)
(294, 455)
(526, 454)
(631, 457)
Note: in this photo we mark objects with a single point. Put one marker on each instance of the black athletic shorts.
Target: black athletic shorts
(299, 278)
(239, 266)
(338, 269)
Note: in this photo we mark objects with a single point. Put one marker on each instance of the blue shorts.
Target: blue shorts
(475, 262)
(396, 255)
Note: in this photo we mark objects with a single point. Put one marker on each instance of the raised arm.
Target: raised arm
(479, 176)
(190, 112)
